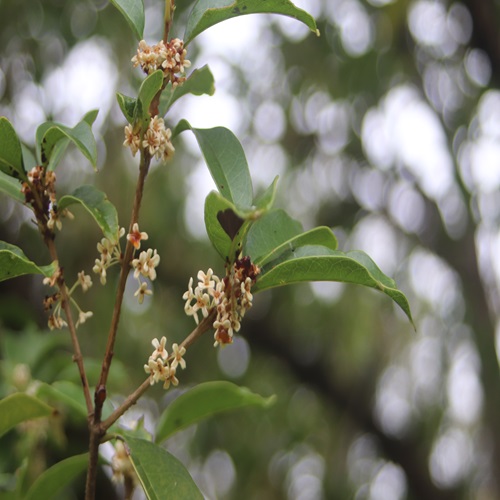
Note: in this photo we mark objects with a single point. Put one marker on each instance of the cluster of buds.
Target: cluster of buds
(40, 192)
(161, 367)
(53, 302)
(231, 297)
(155, 140)
(110, 254)
(169, 57)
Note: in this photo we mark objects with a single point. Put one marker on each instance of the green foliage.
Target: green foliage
(52, 481)
(98, 206)
(226, 161)
(207, 13)
(199, 82)
(14, 263)
(133, 12)
(160, 473)
(52, 140)
(11, 156)
(203, 401)
(20, 407)
(11, 187)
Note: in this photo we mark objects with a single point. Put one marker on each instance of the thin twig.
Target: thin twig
(77, 353)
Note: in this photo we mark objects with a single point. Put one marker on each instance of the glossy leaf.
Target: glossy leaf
(226, 161)
(269, 232)
(265, 201)
(317, 263)
(13, 263)
(320, 236)
(52, 139)
(20, 407)
(11, 186)
(201, 81)
(98, 205)
(133, 12)
(53, 480)
(207, 13)
(160, 473)
(11, 156)
(203, 401)
(127, 105)
(214, 204)
(149, 88)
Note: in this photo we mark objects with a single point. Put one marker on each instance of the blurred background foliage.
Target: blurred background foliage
(385, 128)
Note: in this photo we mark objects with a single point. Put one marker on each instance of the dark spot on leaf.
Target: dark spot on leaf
(230, 222)
(236, 11)
(244, 8)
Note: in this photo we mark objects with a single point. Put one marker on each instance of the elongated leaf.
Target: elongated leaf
(269, 232)
(265, 201)
(201, 81)
(207, 13)
(133, 12)
(52, 140)
(319, 236)
(52, 481)
(317, 263)
(226, 161)
(11, 156)
(127, 105)
(11, 186)
(98, 205)
(20, 407)
(149, 88)
(14, 263)
(203, 401)
(160, 473)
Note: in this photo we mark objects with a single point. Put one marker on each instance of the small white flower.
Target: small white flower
(178, 353)
(160, 351)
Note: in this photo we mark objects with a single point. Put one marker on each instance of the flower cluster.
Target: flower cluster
(110, 253)
(54, 301)
(40, 192)
(161, 367)
(156, 139)
(145, 264)
(169, 57)
(231, 297)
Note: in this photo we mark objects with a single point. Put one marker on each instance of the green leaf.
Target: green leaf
(53, 480)
(20, 407)
(98, 205)
(207, 13)
(53, 138)
(317, 263)
(201, 81)
(11, 186)
(215, 203)
(133, 12)
(203, 401)
(11, 156)
(29, 159)
(148, 89)
(127, 105)
(160, 473)
(320, 236)
(66, 393)
(265, 201)
(14, 263)
(226, 161)
(269, 232)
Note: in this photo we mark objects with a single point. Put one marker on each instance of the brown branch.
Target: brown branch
(77, 353)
